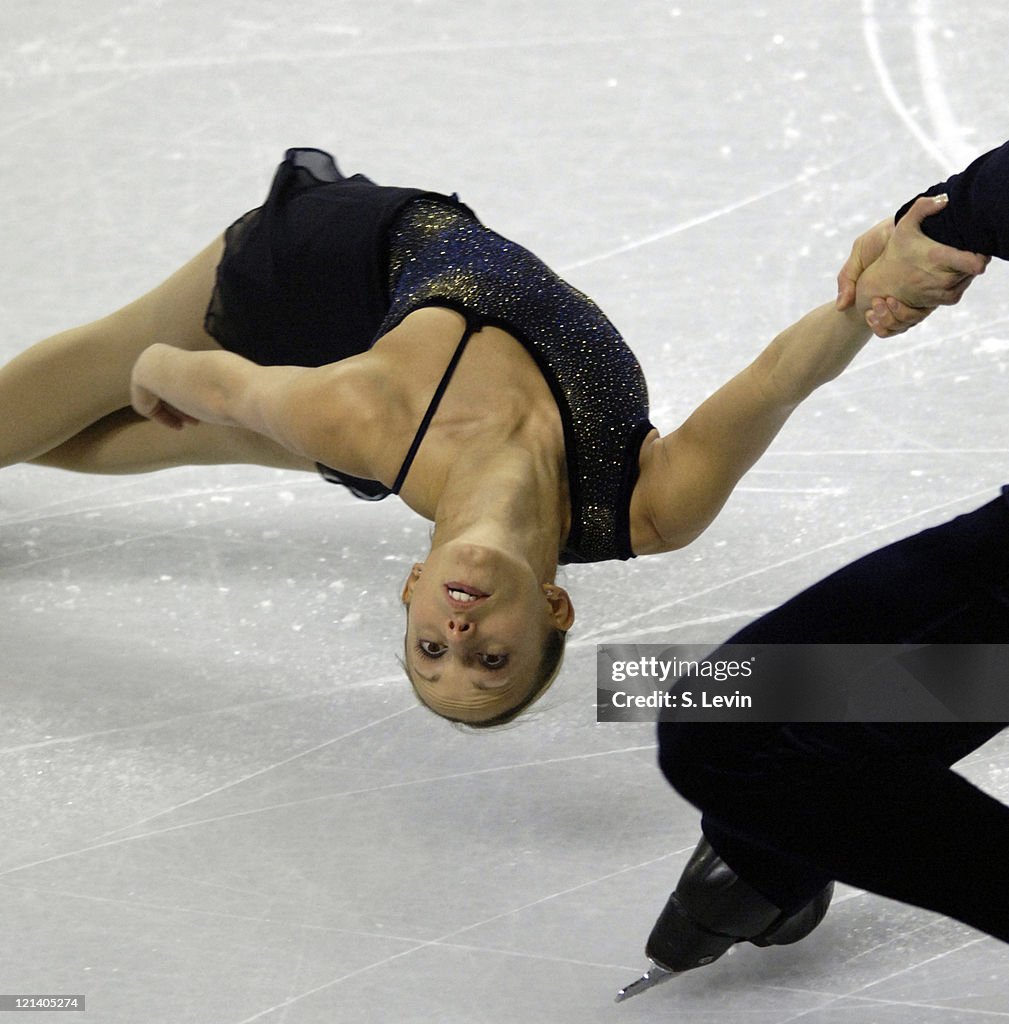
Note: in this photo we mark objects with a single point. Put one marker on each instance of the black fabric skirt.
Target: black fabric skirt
(304, 278)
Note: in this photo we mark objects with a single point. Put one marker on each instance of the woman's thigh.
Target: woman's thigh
(62, 385)
(172, 313)
(124, 442)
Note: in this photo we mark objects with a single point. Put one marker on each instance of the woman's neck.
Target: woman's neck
(511, 499)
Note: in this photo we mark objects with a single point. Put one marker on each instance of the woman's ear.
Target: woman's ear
(562, 611)
(411, 581)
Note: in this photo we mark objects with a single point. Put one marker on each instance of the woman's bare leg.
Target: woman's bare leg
(124, 442)
(63, 385)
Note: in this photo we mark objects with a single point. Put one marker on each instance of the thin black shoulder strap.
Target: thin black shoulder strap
(432, 408)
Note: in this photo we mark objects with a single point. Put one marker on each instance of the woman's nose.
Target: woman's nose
(459, 627)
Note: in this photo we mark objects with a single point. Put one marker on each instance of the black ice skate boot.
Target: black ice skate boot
(711, 910)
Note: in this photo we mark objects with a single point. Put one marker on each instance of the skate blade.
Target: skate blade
(652, 977)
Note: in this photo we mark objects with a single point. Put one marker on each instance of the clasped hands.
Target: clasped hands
(897, 275)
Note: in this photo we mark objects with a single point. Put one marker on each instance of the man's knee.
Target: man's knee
(688, 753)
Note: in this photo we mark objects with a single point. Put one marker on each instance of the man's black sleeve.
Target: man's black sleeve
(977, 216)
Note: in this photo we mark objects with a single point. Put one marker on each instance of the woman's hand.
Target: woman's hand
(867, 249)
(146, 401)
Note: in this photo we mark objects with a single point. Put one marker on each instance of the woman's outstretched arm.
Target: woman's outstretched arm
(177, 388)
(316, 413)
(688, 475)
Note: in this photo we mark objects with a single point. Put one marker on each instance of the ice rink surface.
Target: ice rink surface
(220, 802)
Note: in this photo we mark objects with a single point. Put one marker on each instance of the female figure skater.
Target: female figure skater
(387, 338)
(787, 809)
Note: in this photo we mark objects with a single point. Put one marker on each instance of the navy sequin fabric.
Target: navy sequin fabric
(329, 264)
(441, 256)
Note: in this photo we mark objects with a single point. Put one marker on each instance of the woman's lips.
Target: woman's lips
(462, 595)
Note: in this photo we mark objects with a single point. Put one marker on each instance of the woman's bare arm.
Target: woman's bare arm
(689, 474)
(316, 413)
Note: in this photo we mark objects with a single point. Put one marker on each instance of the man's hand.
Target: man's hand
(910, 275)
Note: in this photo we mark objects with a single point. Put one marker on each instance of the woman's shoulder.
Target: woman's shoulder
(651, 487)
(431, 327)
(677, 494)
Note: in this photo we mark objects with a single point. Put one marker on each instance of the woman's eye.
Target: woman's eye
(493, 660)
(430, 648)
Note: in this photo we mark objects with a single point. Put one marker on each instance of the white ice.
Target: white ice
(220, 802)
